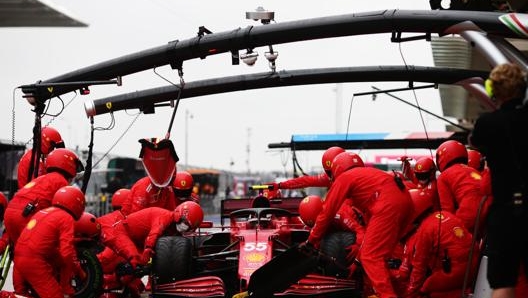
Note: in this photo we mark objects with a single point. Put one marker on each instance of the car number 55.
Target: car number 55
(260, 246)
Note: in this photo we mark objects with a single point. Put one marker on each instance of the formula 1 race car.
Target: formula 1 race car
(255, 255)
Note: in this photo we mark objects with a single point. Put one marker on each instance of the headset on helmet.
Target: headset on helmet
(449, 153)
(476, 160)
(188, 216)
(345, 161)
(87, 226)
(328, 158)
(119, 197)
(50, 139)
(64, 161)
(424, 169)
(309, 208)
(71, 199)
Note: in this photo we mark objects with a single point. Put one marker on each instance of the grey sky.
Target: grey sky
(222, 126)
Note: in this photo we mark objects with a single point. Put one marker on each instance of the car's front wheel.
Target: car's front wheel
(334, 245)
(92, 286)
(172, 260)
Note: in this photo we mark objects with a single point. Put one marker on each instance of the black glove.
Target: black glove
(307, 248)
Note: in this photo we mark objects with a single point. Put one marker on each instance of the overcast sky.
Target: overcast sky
(232, 127)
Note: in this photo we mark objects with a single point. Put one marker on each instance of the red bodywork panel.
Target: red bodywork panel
(256, 250)
(207, 286)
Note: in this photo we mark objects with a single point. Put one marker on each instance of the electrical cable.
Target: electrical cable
(284, 160)
(416, 100)
(388, 93)
(111, 125)
(440, 218)
(64, 106)
(349, 116)
(178, 97)
(118, 139)
(88, 168)
(11, 163)
(348, 122)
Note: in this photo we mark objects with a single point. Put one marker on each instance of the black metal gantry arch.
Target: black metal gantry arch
(147, 99)
(176, 52)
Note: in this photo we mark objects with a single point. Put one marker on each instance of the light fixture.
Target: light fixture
(260, 14)
(30, 99)
(265, 18)
(84, 90)
(271, 56)
(249, 57)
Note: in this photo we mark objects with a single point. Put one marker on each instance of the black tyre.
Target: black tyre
(92, 287)
(334, 245)
(172, 260)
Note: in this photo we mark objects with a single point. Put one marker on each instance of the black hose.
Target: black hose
(88, 168)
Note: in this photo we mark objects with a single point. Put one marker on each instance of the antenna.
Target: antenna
(248, 149)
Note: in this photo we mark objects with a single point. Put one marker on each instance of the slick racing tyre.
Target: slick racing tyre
(334, 245)
(92, 287)
(172, 260)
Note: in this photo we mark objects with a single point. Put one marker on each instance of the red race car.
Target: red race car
(255, 255)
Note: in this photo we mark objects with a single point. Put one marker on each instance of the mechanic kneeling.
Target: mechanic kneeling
(138, 233)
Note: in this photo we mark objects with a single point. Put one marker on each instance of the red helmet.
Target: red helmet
(87, 226)
(328, 157)
(421, 201)
(183, 181)
(345, 161)
(475, 159)
(188, 216)
(425, 168)
(119, 197)
(71, 199)
(65, 161)
(309, 208)
(450, 152)
(50, 139)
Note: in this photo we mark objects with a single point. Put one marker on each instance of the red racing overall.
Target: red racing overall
(441, 246)
(45, 249)
(141, 230)
(460, 192)
(23, 169)
(40, 192)
(144, 194)
(388, 209)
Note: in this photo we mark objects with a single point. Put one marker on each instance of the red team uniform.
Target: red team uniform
(387, 207)
(45, 248)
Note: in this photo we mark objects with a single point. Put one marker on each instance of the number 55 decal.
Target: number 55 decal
(250, 246)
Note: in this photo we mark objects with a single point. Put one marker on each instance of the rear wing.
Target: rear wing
(229, 205)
